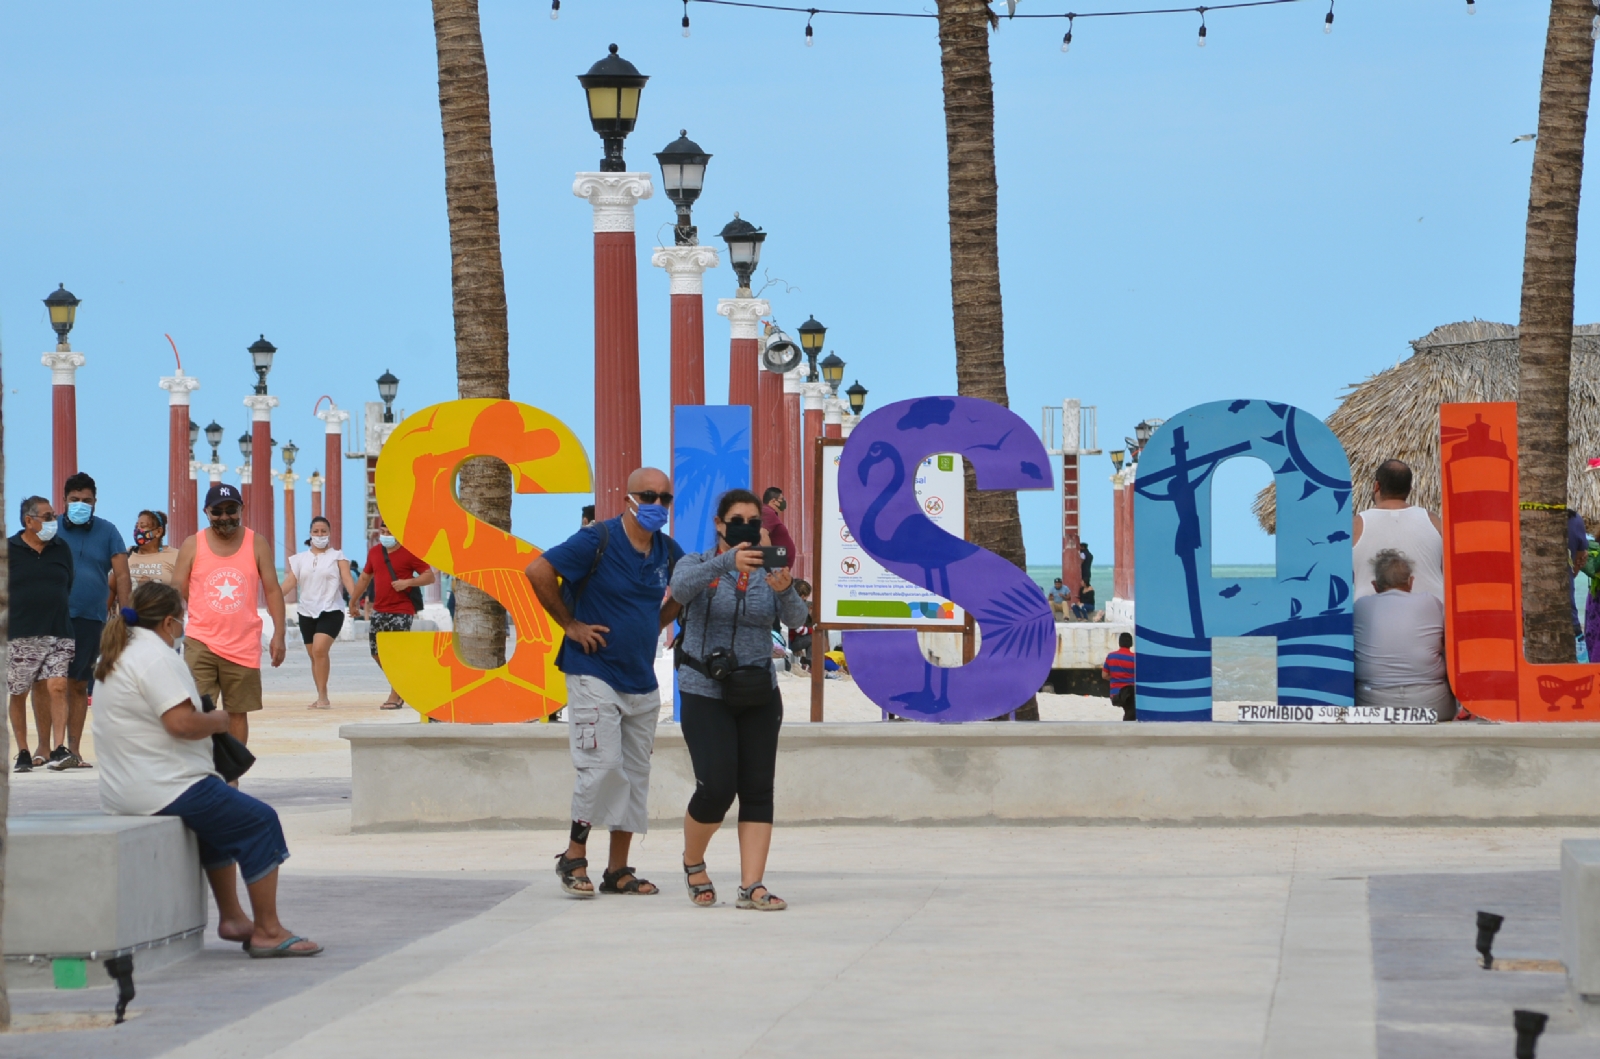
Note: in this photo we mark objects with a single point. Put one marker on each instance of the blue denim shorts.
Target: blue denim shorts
(232, 827)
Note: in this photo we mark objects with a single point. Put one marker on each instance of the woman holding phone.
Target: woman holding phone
(732, 710)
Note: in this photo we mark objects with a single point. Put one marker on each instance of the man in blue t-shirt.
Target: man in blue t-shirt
(611, 603)
(97, 551)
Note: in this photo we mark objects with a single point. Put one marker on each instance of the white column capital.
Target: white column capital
(811, 395)
(333, 418)
(743, 314)
(261, 406)
(848, 424)
(832, 410)
(316, 481)
(685, 265)
(63, 366)
(613, 196)
(793, 380)
(194, 470)
(179, 387)
(288, 478)
(244, 474)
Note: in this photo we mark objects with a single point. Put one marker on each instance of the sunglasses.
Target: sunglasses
(225, 509)
(650, 496)
(740, 520)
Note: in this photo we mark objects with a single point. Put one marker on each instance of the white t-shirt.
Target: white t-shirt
(316, 578)
(143, 767)
(1399, 638)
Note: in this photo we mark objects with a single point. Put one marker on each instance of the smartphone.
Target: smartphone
(773, 557)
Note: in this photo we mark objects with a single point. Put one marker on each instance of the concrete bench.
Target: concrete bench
(1580, 915)
(84, 887)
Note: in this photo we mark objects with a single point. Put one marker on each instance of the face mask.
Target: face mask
(319, 542)
(781, 504)
(47, 530)
(736, 533)
(140, 537)
(387, 541)
(79, 512)
(651, 516)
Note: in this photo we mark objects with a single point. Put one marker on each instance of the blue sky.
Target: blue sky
(1272, 216)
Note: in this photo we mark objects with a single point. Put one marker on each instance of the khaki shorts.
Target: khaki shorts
(239, 686)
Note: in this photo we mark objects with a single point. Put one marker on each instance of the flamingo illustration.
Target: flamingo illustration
(925, 701)
(915, 540)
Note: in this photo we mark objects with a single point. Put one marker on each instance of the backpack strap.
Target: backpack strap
(576, 591)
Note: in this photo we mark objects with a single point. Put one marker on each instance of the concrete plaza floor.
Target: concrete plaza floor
(1034, 941)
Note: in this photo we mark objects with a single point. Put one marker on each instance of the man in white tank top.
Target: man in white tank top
(1392, 522)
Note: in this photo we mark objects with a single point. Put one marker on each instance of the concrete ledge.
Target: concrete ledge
(492, 776)
(1580, 915)
(85, 886)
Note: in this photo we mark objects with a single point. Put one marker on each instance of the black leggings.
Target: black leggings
(733, 756)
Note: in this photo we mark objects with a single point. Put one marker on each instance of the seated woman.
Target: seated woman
(1400, 642)
(155, 759)
(732, 710)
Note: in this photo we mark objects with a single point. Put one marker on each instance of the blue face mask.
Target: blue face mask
(651, 516)
(47, 529)
(79, 512)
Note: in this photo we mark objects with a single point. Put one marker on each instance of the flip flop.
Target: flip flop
(391, 706)
(282, 951)
(38, 760)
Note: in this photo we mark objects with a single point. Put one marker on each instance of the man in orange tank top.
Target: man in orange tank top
(219, 573)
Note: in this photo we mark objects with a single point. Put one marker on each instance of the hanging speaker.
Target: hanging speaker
(782, 355)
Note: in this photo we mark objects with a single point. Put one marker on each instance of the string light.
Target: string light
(686, 18)
(1066, 42)
(555, 10)
(1201, 42)
(1327, 23)
(810, 40)
(1472, 7)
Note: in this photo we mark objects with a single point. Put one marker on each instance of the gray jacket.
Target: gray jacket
(752, 641)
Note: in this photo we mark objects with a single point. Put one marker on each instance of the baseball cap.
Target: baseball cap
(223, 491)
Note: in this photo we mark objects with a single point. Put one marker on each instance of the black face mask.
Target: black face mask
(737, 533)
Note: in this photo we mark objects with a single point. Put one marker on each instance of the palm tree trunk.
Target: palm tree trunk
(5, 773)
(478, 290)
(992, 520)
(974, 248)
(1545, 332)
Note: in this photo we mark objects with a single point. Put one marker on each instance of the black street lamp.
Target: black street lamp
(214, 438)
(1117, 456)
(261, 352)
(289, 452)
(247, 445)
(63, 308)
(811, 335)
(858, 397)
(683, 174)
(1143, 432)
(194, 436)
(744, 248)
(613, 85)
(832, 371)
(388, 386)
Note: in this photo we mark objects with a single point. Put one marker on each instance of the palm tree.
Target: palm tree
(478, 290)
(5, 774)
(964, 25)
(1545, 332)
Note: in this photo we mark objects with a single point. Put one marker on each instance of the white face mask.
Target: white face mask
(319, 542)
(47, 530)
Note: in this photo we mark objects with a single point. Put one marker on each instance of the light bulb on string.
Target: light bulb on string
(1066, 42)
(1472, 7)
(1327, 23)
(686, 18)
(1201, 41)
(810, 40)
(555, 10)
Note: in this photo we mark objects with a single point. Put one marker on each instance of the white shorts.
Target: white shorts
(611, 734)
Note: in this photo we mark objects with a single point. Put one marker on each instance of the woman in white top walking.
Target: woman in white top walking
(1391, 522)
(156, 760)
(319, 574)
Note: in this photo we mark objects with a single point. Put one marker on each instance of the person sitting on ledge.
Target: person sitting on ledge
(1084, 609)
(156, 760)
(1400, 642)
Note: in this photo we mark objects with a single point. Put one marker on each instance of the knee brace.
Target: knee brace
(580, 833)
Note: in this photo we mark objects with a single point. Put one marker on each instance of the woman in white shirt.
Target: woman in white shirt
(319, 574)
(155, 760)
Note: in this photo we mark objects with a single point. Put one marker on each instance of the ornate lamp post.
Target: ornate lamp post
(683, 173)
(832, 375)
(812, 334)
(857, 395)
(388, 387)
(258, 512)
(780, 356)
(288, 477)
(63, 364)
(213, 470)
(612, 87)
(181, 434)
(744, 312)
(333, 418)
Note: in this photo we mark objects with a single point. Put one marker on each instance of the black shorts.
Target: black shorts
(86, 633)
(329, 622)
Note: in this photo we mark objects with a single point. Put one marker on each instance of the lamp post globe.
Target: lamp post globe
(388, 386)
(63, 306)
(832, 371)
(261, 352)
(744, 248)
(1117, 456)
(858, 397)
(214, 438)
(290, 451)
(247, 445)
(613, 86)
(194, 436)
(683, 174)
(812, 334)
(1143, 432)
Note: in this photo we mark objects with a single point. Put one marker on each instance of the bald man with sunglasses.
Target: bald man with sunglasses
(611, 602)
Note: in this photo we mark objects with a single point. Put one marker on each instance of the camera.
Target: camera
(721, 663)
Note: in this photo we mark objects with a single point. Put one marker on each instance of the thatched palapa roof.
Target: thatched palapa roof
(1395, 413)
